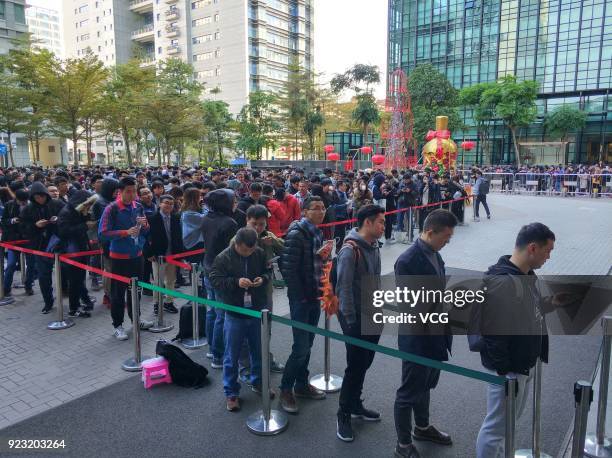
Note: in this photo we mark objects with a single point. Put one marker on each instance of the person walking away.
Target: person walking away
(481, 189)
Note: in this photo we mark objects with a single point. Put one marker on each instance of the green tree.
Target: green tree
(28, 64)
(432, 95)
(172, 111)
(313, 122)
(565, 119)
(125, 96)
(13, 105)
(257, 124)
(73, 87)
(483, 115)
(218, 124)
(513, 102)
(366, 111)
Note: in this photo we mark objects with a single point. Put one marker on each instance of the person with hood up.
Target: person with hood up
(218, 229)
(11, 231)
(39, 219)
(358, 267)
(72, 231)
(108, 193)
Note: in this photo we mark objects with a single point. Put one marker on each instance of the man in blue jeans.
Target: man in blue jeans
(240, 273)
(301, 263)
(218, 228)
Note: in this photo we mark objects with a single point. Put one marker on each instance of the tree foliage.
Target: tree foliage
(565, 119)
(257, 124)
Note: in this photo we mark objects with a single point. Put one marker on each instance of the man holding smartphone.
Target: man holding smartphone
(39, 220)
(301, 265)
(125, 227)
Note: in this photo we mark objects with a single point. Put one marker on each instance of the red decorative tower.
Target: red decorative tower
(397, 133)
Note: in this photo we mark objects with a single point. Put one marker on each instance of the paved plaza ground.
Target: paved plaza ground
(69, 384)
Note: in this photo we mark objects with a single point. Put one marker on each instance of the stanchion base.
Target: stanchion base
(161, 327)
(7, 300)
(19, 286)
(56, 325)
(595, 450)
(330, 386)
(192, 344)
(131, 365)
(277, 424)
(528, 453)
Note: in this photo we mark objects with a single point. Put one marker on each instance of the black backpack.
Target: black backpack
(484, 186)
(183, 370)
(186, 322)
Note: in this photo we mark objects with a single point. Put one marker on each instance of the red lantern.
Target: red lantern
(366, 150)
(468, 145)
(328, 148)
(378, 159)
(430, 135)
(333, 157)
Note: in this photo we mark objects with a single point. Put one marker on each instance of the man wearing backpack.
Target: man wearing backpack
(358, 267)
(515, 305)
(481, 189)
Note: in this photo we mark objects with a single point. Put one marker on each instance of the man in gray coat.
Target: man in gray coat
(358, 270)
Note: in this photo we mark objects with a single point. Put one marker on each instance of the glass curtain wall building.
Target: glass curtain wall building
(562, 44)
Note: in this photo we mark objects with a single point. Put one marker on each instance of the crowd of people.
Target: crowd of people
(245, 220)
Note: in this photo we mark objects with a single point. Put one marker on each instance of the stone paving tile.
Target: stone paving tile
(42, 369)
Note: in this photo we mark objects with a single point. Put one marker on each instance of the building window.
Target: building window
(200, 4)
(84, 37)
(218, 53)
(201, 21)
(204, 74)
(2, 9)
(19, 14)
(83, 8)
(203, 56)
(217, 35)
(159, 50)
(217, 17)
(202, 39)
(218, 71)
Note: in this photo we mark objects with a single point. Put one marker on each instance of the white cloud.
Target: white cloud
(349, 32)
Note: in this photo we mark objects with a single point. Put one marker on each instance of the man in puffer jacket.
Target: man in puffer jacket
(106, 196)
(72, 230)
(39, 219)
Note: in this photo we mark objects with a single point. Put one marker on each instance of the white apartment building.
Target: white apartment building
(235, 46)
(45, 26)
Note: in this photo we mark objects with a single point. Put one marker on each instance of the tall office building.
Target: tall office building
(45, 26)
(562, 44)
(235, 46)
(13, 25)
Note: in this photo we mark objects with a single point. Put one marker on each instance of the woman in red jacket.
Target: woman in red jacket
(291, 207)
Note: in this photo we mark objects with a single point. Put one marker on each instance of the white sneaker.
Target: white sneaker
(145, 324)
(120, 333)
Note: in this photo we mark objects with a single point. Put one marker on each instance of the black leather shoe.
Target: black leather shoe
(170, 308)
(365, 414)
(406, 452)
(431, 434)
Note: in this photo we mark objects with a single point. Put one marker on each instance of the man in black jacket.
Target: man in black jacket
(218, 228)
(514, 303)
(422, 260)
(12, 231)
(301, 266)
(72, 230)
(108, 192)
(39, 219)
(165, 238)
(240, 274)
(252, 199)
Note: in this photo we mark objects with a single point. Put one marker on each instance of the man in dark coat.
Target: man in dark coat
(423, 260)
(165, 238)
(39, 219)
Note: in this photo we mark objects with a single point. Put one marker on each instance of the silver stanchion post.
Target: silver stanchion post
(535, 451)
(511, 391)
(195, 341)
(410, 226)
(266, 422)
(583, 394)
(327, 381)
(61, 323)
(22, 263)
(9, 299)
(135, 364)
(598, 445)
(159, 325)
